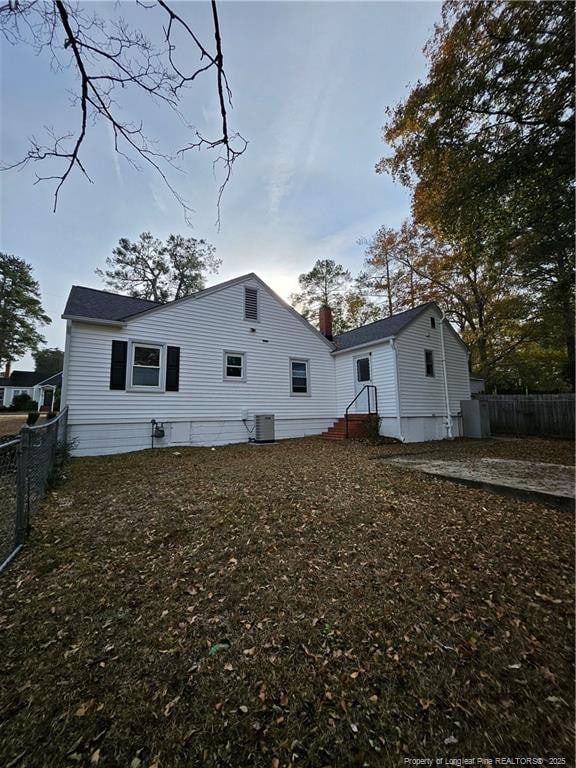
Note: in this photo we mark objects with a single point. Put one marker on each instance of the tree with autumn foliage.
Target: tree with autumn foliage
(486, 144)
(481, 294)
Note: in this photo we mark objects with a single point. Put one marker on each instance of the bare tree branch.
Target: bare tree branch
(107, 55)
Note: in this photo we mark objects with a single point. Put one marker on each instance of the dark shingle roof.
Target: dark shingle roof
(25, 378)
(103, 305)
(380, 329)
(53, 380)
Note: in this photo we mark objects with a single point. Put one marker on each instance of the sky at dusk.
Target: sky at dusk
(310, 84)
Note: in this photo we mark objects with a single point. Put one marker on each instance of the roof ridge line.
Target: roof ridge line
(121, 295)
(396, 314)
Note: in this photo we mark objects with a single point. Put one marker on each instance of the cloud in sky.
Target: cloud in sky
(310, 83)
(307, 108)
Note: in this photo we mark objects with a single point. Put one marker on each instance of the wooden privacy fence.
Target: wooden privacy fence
(531, 414)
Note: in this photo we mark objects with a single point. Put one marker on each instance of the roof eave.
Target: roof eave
(372, 343)
(94, 320)
(52, 376)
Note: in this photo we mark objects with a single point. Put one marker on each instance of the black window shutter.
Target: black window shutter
(172, 369)
(118, 365)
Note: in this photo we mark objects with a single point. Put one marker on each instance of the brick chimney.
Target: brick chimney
(326, 322)
(8, 369)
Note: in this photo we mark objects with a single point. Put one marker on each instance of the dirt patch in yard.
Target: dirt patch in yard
(297, 605)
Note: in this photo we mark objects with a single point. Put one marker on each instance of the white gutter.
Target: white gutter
(448, 423)
(373, 343)
(397, 388)
(94, 320)
(64, 390)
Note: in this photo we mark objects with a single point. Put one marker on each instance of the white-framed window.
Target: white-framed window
(429, 362)
(432, 322)
(251, 303)
(146, 362)
(234, 366)
(299, 376)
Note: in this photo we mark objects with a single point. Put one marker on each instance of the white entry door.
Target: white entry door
(362, 377)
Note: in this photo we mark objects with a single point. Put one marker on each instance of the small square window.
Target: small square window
(234, 366)
(429, 361)
(299, 377)
(432, 322)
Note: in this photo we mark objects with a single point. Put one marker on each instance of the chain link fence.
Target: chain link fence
(26, 466)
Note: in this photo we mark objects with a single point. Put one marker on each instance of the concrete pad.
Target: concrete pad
(553, 483)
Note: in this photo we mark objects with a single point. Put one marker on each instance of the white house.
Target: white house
(38, 386)
(205, 365)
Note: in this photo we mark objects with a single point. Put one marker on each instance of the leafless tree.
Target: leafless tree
(109, 56)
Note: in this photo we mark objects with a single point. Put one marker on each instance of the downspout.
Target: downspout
(448, 423)
(65, 367)
(397, 387)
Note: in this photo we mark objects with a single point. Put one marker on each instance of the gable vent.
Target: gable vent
(250, 303)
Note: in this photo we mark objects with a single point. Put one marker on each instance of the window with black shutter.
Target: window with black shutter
(118, 365)
(250, 303)
(146, 365)
(429, 361)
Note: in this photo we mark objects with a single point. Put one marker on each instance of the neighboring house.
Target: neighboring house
(38, 386)
(205, 365)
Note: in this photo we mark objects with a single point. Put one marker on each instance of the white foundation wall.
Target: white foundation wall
(101, 439)
(418, 429)
(206, 408)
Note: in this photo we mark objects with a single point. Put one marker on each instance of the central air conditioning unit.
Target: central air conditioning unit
(264, 428)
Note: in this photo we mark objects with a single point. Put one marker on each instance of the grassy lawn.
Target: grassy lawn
(12, 423)
(295, 604)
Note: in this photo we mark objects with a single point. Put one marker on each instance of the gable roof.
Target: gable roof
(379, 329)
(53, 380)
(91, 304)
(94, 304)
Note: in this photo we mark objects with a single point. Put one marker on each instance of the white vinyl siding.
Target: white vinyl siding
(422, 395)
(381, 370)
(458, 372)
(204, 329)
